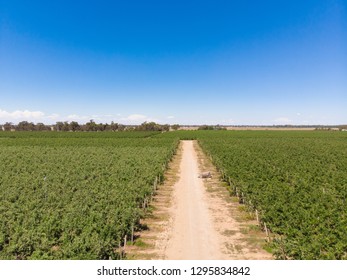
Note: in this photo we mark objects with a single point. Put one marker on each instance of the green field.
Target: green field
(296, 180)
(76, 195)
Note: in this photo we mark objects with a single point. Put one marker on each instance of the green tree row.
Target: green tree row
(89, 126)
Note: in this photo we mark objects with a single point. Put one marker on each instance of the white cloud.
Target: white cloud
(171, 117)
(98, 118)
(53, 117)
(283, 120)
(228, 122)
(137, 119)
(75, 117)
(26, 114)
(38, 116)
(19, 115)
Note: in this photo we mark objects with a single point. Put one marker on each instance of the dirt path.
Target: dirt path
(196, 218)
(193, 236)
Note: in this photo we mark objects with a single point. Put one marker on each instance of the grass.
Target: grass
(141, 244)
(229, 232)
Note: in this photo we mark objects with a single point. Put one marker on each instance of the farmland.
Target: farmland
(297, 181)
(76, 195)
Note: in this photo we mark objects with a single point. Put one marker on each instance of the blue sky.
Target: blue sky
(188, 62)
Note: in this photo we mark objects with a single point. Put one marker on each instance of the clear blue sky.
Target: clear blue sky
(187, 62)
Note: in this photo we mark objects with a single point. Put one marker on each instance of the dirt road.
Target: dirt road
(193, 235)
(196, 218)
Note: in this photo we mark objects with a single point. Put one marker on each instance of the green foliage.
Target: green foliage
(296, 180)
(175, 126)
(65, 197)
(74, 195)
(76, 135)
(152, 126)
(211, 127)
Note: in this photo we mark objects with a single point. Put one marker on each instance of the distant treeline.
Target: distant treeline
(146, 126)
(89, 126)
(211, 127)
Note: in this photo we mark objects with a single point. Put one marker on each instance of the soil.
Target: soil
(193, 235)
(195, 218)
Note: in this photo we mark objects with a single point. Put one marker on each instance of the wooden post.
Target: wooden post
(155, 183)
(267, 233)
(232, 186)
(125, 242)
(132, 234)
(120, 250)
(256, 215)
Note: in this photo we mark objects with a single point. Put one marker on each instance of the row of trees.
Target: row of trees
(89, 126)
(211, 127)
